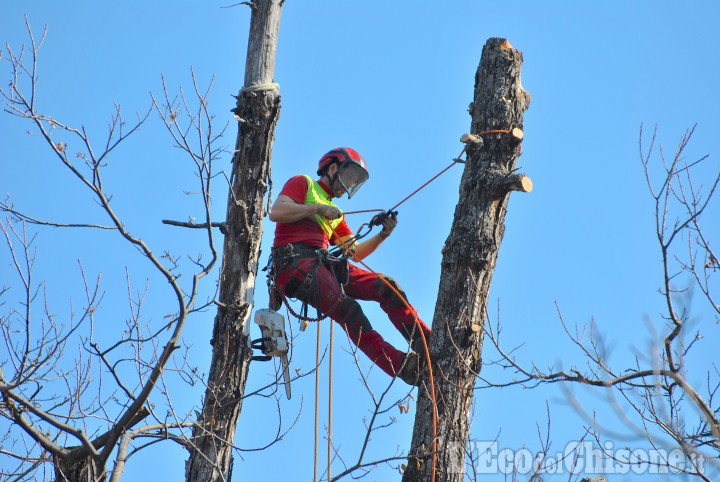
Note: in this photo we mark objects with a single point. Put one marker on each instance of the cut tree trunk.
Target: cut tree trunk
(468, 263)
(257, 112)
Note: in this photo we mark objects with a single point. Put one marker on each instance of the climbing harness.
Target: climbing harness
(289, 255)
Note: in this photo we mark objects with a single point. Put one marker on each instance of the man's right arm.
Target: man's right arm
(286, 210)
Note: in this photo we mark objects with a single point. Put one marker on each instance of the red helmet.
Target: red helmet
(352, 170)
(341, 155)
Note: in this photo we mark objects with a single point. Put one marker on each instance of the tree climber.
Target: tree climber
(307, 220)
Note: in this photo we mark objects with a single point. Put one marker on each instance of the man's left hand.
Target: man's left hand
(389, 222)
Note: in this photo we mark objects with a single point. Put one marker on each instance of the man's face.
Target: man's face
(350, 177)
(337, 188)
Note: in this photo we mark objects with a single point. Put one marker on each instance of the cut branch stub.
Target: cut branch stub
(476, 142)
(470, 139)
(472, 142)
(520, 182)
(517, 134)
(500, 183)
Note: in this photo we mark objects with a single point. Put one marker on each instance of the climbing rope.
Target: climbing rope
(455, 161)
(317, 404)
(364, 211)
(330, 402)
(261, 87)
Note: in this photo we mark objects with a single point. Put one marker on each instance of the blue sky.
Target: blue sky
(392, 80)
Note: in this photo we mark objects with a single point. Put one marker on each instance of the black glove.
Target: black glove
(379, 219)
(387, 220)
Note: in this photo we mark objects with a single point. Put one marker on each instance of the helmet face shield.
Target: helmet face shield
(351, 176)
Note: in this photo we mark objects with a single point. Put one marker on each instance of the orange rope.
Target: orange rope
(363, 211)
(431, 377)
(495, 131)
(431, 180)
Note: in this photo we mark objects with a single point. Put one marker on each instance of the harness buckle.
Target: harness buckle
(307, 282)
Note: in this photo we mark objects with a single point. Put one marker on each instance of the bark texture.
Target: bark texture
(468, 263)
(257, 111)
(86, 468)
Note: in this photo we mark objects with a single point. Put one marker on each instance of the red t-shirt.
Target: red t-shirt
(306, 230)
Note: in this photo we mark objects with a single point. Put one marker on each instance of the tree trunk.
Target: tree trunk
(83, 469)
(257, 111)
(468, 263)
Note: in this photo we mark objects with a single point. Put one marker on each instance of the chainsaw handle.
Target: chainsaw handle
(259, 343)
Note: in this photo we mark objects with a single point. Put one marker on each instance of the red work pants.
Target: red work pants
(324, 292)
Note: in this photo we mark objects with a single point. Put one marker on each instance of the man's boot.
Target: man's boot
(418, 346)
(410, 369)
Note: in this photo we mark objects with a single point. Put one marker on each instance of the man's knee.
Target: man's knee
(351, 316)
(390, 291)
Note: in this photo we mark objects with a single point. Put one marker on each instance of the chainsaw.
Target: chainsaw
(274, 342)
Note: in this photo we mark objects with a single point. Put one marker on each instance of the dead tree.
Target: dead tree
(469, 257)
(70, 399)
(257, 112)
